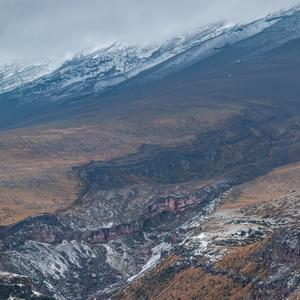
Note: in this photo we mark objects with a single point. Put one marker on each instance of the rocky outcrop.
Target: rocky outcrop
(132, 205)
(168, 204)
(172, 204)
(13, 286)
(281, 258)
(104, 235)
(268, 269)
(137, 209)
(45, 229)
(50, 229)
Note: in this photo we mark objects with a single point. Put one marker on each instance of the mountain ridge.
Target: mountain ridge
(117, 63)
(154, 188)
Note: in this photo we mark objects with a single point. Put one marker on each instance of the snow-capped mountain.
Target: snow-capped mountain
(98, 70)
(15, 75)
(187, 185)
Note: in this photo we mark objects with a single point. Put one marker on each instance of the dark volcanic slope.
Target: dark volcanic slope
(139, 208)
(135, 203)
(145, 196)
(282, 31)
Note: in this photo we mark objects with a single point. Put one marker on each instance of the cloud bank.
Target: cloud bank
(34, 30)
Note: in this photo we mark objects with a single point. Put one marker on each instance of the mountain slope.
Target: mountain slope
(175, 180)
(13, 76)
(248, 248)
(124, 67)
(88, 73)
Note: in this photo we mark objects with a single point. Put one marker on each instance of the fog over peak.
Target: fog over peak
(34, 30)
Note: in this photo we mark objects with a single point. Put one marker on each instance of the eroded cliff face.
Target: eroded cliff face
(266, 269)
(136, 210)
(13, 286)
(248, 248)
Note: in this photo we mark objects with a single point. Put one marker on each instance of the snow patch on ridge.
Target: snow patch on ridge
(91, 72)
(154, 259)
(52, 260)
(15, 75)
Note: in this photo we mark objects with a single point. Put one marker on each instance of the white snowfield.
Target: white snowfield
(15, 75)
(97, 70)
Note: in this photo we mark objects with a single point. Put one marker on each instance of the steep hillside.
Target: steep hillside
(13, 76)
(182, 182)
(124, 67)
(247, 249)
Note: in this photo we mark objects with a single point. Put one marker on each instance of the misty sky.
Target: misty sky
(32, 30)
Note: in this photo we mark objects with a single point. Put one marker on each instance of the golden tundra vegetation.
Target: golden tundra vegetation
(36, 162)
(278, 194)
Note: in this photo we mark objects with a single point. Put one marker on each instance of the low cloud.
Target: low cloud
(33, 30)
